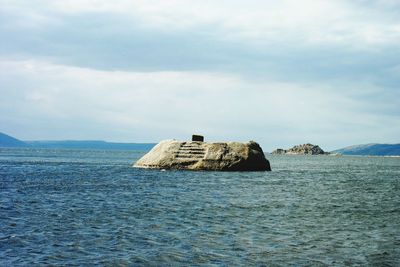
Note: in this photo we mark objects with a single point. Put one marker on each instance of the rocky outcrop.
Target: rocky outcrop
(230, 156)
(306, 149)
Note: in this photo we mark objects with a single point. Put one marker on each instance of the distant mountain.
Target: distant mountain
(9, 141)
(70, 144)
(371, 149)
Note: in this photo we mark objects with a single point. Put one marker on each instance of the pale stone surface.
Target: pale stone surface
(230, 156)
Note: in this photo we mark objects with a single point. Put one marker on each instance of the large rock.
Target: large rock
(306, 149)
(231, 156)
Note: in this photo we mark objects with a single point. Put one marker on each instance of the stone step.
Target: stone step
(189, 156)
(191, 149)
(191, 144)
(190, 153)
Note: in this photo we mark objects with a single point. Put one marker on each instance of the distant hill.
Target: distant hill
(9, 141)
(371, 149)
(70, 144)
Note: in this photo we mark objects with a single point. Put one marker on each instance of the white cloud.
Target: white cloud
(338, 22)
(352, 24)
(78, 103)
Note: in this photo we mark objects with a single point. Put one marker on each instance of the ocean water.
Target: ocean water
(85, 208)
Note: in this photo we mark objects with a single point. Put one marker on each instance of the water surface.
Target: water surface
(86, 207)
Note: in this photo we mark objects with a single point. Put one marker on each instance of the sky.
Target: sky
(281, 73)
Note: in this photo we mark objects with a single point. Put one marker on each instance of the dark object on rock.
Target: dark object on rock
(197, 138)
(230, 156)
(306, 149)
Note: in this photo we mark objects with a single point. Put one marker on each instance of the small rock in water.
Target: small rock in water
(306, 149)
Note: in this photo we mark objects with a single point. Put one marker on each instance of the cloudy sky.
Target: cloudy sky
(278, 72)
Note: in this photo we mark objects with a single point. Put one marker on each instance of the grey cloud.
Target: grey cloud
(116, 42)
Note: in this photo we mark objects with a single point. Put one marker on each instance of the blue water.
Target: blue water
(81, 207)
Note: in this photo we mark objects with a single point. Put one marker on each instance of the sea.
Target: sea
(61, 207)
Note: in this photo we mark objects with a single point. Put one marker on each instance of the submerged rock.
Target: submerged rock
(194, 155)
(306, 149)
